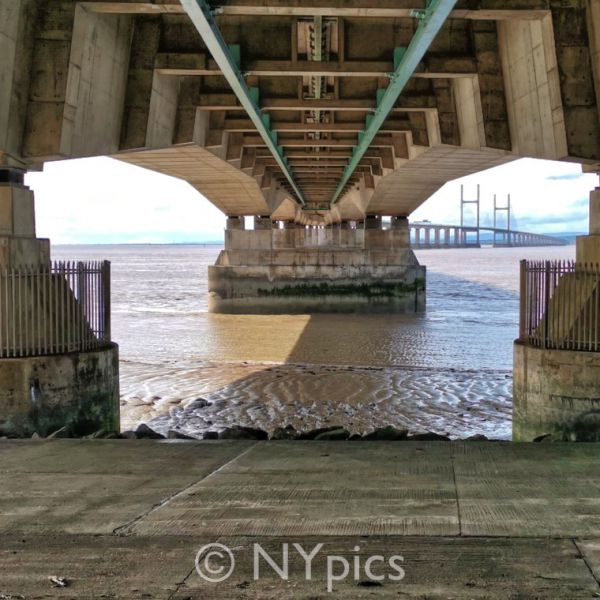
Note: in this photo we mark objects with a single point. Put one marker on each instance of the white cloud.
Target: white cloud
(101, 200)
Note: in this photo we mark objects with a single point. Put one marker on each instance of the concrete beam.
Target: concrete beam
(535, 107)
(180, 65)
(78, 86)
(325, 8)
(17, 19)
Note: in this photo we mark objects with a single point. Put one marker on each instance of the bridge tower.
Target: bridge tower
(466, 229)
(502, 238)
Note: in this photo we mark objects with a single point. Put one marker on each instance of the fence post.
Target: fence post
(546, 303)
(523, 302)
(106, 300)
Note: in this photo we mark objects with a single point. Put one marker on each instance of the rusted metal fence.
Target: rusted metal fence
(62, 308)
(560, 305)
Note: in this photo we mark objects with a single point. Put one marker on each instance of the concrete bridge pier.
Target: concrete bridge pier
(326, 269)
(54, 371)
(557, 357)
(19, 246)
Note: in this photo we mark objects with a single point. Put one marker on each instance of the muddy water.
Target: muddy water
(447, 370)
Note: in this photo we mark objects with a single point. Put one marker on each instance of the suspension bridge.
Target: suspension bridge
(425, 234)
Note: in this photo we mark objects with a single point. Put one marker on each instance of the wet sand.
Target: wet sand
(194, 400)
(446, 371)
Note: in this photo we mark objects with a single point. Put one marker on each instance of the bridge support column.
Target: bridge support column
(48, 379)
(235, 223)
(19, 246)
(373, 222)
(262, 223)
(271, 271)
(557, 379)
(588, 246)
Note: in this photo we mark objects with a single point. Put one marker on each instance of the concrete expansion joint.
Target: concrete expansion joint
(458, 513)
(180, 584)
(583, 557)
(123, 530)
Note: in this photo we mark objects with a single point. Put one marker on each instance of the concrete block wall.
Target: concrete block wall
(556, 392)
(78, 391)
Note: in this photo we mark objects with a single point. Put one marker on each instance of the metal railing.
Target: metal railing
(560, 305)
(62, 308)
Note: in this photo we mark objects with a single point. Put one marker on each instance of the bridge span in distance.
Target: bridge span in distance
(425, 234)
(431, 235)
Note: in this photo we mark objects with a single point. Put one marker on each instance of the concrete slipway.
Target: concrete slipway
(125, 518)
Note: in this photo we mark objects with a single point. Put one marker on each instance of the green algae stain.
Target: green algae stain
(376, 289)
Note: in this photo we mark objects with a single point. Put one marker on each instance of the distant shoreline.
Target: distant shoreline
(569, 237)
(138, 244)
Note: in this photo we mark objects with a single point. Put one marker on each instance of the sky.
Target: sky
(102, 200)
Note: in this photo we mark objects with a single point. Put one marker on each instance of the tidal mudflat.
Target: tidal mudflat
(447, 371)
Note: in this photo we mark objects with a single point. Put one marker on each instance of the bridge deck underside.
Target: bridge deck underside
(135, 80)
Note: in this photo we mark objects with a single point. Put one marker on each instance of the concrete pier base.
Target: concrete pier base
(556, 392)
(77, 391)
(322, 287)
(279, 271)
(44, 385)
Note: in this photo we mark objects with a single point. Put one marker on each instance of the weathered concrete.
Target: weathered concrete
(77, 391)
(399, 490)
(78, 487)
(323, 270)
(588, 246)
(135, 80)
(19, 246)
(556, 392)
(321, 287)
(39, 393)
(483, 520)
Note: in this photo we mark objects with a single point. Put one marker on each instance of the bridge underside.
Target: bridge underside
(314, 113)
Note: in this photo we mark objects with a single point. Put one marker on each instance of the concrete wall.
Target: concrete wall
(80, 63)
(95, 91)
(17, 20)
(533, 90)
(78, 391)
(162, 111)
(469, 112)
(593, 19)
(293, 289)
(317, 257)
(556, 392)
(18, 244)
(299, 270)
(308, 239)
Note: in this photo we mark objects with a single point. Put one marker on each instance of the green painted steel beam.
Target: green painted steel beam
(228, 59)
(405, 62)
